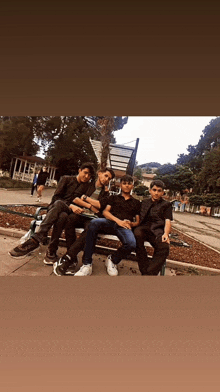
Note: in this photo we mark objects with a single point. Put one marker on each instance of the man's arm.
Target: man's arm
(136, 222)
(167, 230)
(93, 205)
(123, 223)
(60, 189)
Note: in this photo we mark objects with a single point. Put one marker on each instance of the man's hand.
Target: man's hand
(165, 238)
(124, 223)
(76, 209)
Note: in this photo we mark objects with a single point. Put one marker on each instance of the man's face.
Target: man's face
(156, 193)
(104, 178)
(126, 186)
(84, 175)
(44, 169)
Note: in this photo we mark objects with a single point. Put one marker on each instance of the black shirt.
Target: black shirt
(124, 209)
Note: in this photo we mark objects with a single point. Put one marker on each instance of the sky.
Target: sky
(162, 138)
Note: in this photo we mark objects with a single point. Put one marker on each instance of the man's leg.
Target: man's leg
(128, 241)
(58, 227)
(52, 216)
(142, 234)
(95, 226)
(73, 221)
(68, 262)
(127, 238)
(33, 243)
(161, 252)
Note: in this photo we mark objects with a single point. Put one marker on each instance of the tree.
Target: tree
(176, 178)
(209, 139)
(209, 176)
(141, 190)
(69, 144)
(106, 126)
(17, 138)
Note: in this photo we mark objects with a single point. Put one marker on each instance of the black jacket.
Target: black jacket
(69, 188)
(161, 210)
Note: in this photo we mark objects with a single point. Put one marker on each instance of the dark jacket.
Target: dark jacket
(69, 188)
(161, 210)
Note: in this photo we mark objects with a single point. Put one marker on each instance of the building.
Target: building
(147, 178)
(24, 167)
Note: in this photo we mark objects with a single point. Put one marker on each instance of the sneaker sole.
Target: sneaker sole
(49, 262)
(83, 275)
(23, 256)
(70, 273)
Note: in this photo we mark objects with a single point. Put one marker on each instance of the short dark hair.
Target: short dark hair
(127, 178)
(90, 166)
(158, 183)
(109, 170)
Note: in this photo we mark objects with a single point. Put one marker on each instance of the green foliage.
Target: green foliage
(176, 178)
(196, 200)
(204, 159)
(147, 167)
(141, 190)
(16, 138)
(64, 139)
(209, 200)
(138, 173)
(6, 182)
(209, 176)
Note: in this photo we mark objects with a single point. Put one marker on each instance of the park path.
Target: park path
(24, 196)
(203, 228)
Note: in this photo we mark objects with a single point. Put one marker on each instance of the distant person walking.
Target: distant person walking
(41, 180)
(34, 183)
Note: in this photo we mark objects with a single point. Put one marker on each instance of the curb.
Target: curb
(12, 232)
(195, 239)
(169, 263)
(186, 266)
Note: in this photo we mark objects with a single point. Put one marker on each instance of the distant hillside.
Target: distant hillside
(148, 166)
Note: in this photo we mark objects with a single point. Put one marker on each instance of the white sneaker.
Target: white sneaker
(111, 267)
(85, 270)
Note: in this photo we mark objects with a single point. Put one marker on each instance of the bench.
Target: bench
(39, 217)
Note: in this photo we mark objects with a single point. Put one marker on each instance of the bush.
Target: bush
(141, 190)
(6, 182)
(209, 200)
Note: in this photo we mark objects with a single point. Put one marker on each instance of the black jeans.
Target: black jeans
(33, 187)
(58, 227)
(55, 216)
(74, 246)
(161, 251)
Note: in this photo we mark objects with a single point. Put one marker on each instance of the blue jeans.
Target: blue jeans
(126, 236)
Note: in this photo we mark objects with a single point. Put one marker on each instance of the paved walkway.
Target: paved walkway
(33, 265)
(202, 228)
(23, 196)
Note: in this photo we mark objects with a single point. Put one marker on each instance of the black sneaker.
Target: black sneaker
(50, 257)
(25, 248)
(72, 268)
(60, 267)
